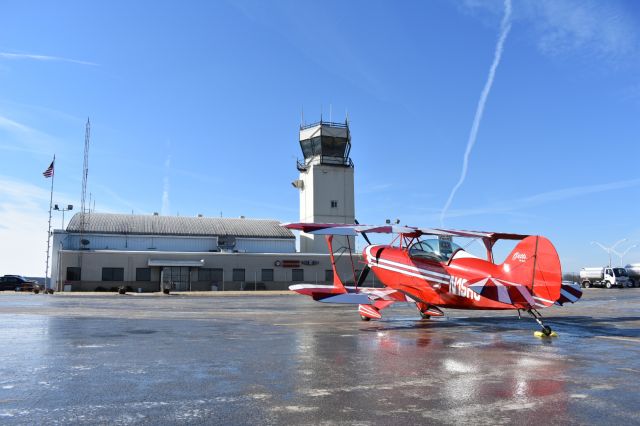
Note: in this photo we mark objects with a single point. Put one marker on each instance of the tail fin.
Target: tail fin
(535, 264)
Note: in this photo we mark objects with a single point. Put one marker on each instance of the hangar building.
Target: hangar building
(155, 252)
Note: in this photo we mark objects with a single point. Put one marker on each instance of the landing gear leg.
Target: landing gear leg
(546, 330)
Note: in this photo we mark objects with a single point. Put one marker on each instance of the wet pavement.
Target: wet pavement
(288, 360)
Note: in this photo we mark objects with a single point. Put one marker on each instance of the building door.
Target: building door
(176, 278)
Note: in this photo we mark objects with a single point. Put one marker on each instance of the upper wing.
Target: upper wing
(354, 229)
(347, 229)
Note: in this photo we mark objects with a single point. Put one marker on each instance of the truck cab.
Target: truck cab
(618, 276)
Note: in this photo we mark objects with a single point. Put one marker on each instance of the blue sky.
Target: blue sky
(195, 108)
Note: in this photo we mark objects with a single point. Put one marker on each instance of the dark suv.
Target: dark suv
(17, 283)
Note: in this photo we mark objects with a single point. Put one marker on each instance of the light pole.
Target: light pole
(623, 254)
(63, 209)
(609, 249)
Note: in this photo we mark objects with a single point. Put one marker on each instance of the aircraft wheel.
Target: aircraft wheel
(424, 316)
(363, 318)
(546, 330)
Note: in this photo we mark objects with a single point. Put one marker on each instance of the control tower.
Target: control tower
(326, 182)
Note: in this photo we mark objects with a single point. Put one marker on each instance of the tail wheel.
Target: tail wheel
(424, 315)
(363, 318)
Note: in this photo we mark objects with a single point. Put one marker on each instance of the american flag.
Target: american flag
(49, 172)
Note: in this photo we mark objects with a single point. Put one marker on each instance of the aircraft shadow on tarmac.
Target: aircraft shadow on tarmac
(582, 325)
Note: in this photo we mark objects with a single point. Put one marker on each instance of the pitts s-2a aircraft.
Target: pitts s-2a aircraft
(436, 273)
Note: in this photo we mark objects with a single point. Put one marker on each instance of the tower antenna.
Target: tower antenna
(85, 174)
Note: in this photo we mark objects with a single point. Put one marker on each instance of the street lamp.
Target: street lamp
(609, 249)
(63, 209)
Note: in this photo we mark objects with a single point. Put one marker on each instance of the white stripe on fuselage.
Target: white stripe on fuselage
(411, 274)
(405, 269)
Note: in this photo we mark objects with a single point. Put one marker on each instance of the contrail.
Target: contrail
(505, 26)
(7, 55)
(166, 210)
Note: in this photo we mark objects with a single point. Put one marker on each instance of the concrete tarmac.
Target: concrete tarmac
(284, 359)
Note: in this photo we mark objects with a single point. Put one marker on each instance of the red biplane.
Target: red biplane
(424, 266)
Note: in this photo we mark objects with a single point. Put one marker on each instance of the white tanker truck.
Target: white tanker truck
(633, 270)
(604, 277)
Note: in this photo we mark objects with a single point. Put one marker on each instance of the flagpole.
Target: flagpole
(46, 274)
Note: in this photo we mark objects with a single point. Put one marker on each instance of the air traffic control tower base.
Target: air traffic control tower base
(326, 182)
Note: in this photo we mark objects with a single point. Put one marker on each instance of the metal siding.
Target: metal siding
(185, 244)
(143, 243)
(265, 245)
(105, 223)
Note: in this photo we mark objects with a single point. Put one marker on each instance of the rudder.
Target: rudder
(534, 263)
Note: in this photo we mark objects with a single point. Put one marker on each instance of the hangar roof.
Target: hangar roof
(108, 223)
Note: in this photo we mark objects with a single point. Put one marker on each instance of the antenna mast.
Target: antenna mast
(85, 174)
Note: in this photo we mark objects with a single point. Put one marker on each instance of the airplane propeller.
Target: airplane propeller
(364, 235)
(363, 275)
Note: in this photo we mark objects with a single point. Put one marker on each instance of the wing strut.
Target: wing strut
(337, 282)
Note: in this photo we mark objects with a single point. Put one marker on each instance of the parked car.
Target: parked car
(18, 283)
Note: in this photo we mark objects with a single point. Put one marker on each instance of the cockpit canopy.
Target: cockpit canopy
(434, 249)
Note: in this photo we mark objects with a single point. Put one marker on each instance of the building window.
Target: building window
(267, 275)
(328, 275)
(297, 275)
(334, 204)
(112, 274)
(143, 274)
(213, 275)
(73, 273)
(238, 275)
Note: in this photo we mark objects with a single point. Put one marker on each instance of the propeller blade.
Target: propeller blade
(363, 275)
(364, 235)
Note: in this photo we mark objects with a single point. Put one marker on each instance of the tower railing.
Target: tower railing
(303, 166)
(325, 123)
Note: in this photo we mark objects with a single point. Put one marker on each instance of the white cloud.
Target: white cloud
(30, 56)
(114, 202)
(605, 30)
(24, 215)
(20, 137)
(543, 198)
(600, 27)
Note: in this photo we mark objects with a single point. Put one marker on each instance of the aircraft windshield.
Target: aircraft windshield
(440, 250)
(620, 272)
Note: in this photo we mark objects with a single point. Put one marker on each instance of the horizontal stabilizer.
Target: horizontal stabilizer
(369, 312)
(503, 292)
(569, 293)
